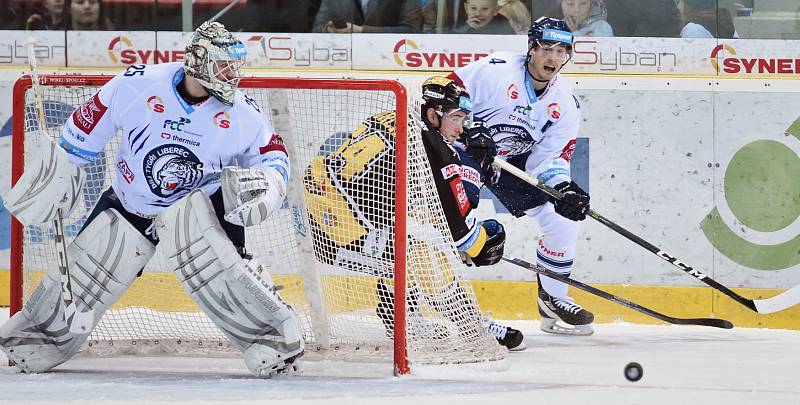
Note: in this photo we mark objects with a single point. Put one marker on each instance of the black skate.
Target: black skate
(562, 316)
(507, 336)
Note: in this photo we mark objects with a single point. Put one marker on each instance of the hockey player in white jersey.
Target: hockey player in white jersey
(533, 117)
(197, 162)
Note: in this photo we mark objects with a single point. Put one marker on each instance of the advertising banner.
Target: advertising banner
(50, 48)
(272, 51)
(400, 52)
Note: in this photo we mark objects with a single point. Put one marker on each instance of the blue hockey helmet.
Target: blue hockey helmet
(548, 30)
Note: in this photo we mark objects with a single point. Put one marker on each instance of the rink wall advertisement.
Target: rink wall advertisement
(707, 174)
(392, 52)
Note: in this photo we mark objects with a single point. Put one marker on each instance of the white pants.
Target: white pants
(556, 247)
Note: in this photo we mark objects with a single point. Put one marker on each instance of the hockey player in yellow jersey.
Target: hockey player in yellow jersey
(350, 196)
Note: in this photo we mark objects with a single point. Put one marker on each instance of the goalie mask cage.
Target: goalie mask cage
(407, 246)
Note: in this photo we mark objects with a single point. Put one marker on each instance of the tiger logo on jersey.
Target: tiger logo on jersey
(170, 169)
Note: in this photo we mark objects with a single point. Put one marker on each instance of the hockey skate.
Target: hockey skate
(562, 316)
(506, 336)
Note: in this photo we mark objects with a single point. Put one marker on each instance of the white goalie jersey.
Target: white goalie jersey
(169, 147)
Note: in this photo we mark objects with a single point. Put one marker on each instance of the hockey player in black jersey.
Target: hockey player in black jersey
(343, 206)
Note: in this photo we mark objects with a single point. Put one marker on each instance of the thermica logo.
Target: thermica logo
(757, 223)
(730, 63)
(406, 54)
(122, 51)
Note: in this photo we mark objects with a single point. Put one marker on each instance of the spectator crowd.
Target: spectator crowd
(600, 18)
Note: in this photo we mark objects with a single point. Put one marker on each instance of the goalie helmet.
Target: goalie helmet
(216, 59)
(444, 95)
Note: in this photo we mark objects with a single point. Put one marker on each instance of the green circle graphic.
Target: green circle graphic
(762, 185)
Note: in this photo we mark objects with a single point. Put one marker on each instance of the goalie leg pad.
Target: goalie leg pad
(103, 260)
(50, 182)
(237, 294)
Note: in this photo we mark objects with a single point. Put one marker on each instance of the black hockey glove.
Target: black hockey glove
(574, 203)
(492, 250)
(480, 146)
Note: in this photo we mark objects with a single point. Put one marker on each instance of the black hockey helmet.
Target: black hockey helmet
(445, 95)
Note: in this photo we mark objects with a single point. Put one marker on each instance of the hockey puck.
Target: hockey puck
(633, 372)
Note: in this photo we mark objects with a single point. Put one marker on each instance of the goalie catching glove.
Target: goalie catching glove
(574, 202)
(251, 195)
(493, 236)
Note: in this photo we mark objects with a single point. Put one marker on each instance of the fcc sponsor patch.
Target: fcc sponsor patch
(275, 145)
(89, 114)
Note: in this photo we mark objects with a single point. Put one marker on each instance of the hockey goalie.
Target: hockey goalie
(194, 198)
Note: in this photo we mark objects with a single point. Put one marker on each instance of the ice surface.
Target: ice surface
(682, 366)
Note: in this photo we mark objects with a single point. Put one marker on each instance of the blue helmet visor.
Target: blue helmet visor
(464, 103)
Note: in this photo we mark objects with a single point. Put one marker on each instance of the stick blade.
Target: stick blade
(784, 300)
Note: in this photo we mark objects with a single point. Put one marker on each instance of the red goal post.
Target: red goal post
(315, 108)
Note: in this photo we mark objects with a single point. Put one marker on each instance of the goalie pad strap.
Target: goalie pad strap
(237, 295)
(49, 182)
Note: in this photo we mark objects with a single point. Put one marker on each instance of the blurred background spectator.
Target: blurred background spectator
(47, 16)
(264, 16)
(483, 18)
(11, 15)
(346, 16)
(644, 18)
(586, 18)
(703, 20)
(517, 14)
(87, 15)
(452, 17)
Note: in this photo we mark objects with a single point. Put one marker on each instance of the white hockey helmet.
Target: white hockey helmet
(216, 59)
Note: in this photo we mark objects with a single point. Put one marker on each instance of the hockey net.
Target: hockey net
(434, 306)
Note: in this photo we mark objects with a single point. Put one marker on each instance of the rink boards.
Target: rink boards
(699, 166)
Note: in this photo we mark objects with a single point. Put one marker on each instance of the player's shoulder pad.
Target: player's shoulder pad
(247, 105)
(565, 95)
(139, 78)
(384, 121)
(503, 59)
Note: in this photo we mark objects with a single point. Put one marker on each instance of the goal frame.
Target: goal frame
(25, 84)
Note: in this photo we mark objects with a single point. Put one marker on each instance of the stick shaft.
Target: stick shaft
(778, 303)
(715, 323)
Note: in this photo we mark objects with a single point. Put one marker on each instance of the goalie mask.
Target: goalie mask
(216, 59)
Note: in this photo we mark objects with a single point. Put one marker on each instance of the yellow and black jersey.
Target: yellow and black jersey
(351, 191)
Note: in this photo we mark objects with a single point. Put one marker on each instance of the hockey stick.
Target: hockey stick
(79, 322)
(777, 303)
(714, 323)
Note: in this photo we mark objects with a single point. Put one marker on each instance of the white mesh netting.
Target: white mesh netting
(336, 266)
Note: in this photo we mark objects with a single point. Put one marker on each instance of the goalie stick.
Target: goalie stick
(777, 303)
(715, 323)
(79, 322)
